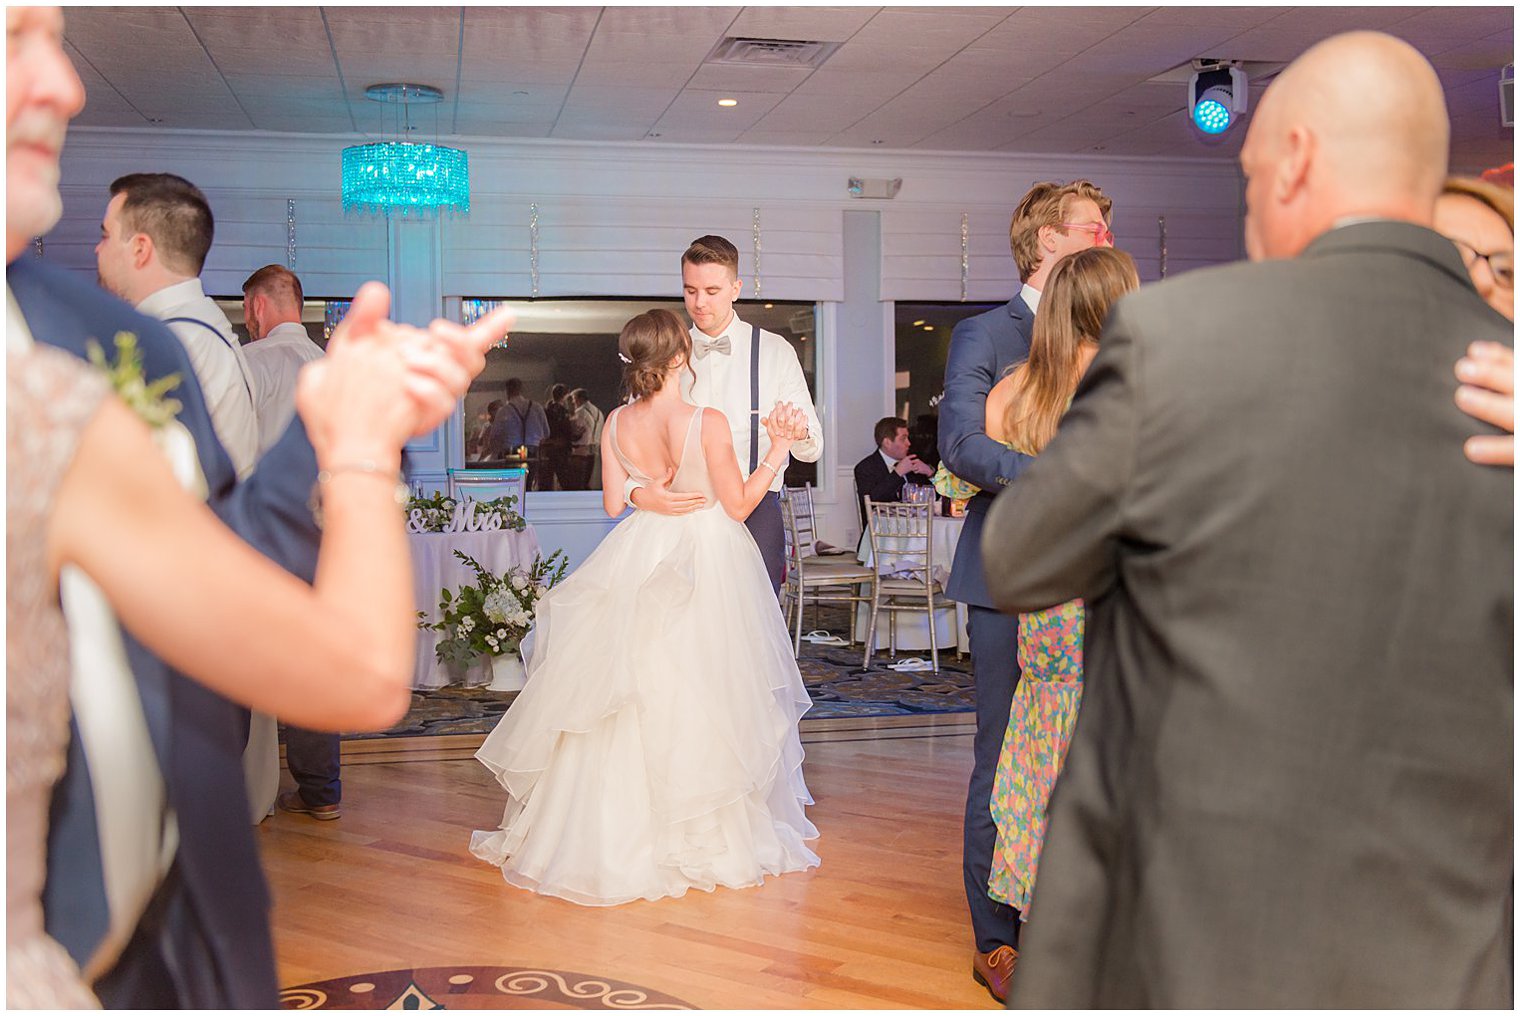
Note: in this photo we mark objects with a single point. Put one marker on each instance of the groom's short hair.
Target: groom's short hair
(712, 250)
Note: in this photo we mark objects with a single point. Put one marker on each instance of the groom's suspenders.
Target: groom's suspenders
(754, 397)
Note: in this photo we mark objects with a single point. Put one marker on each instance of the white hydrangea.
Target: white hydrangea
(499, 605)
(467, 624)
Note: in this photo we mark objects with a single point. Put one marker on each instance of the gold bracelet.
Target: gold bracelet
(360, 466)
(401, 493)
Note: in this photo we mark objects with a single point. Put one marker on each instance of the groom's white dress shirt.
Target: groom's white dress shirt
(722, 383)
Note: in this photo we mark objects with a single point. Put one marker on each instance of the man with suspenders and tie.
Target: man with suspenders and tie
(745, 372)
(153, 244)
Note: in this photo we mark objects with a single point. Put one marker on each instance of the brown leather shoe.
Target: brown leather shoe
(291, 801)
(995, 969)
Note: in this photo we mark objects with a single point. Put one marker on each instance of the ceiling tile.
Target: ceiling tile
(808, 24)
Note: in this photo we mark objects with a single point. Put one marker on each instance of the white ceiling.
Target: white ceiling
(1024, 79)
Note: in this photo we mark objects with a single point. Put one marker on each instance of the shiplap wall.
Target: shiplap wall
(613, 219)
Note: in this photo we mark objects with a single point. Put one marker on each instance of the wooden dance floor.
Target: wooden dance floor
(388, 901)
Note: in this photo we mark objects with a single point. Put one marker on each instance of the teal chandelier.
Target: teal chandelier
(410, 176)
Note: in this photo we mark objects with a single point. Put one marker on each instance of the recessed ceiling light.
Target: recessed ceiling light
(919, 323)
(769, 306)
(728, 102)
(928, 328)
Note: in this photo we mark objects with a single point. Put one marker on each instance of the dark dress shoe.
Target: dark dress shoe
(995, 969)
(291, 800)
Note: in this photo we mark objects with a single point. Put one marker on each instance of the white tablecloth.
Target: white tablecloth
(913, 629)
(434, 566)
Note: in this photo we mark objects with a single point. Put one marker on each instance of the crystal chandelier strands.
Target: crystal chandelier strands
(405, 175)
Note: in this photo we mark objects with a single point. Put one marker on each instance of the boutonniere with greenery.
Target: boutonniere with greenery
(493, 615)
(149, 400)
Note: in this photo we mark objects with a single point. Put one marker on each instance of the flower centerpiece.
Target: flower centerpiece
(490, 618)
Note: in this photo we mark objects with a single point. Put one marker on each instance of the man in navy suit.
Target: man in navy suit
(194, 930)
(1050, 222)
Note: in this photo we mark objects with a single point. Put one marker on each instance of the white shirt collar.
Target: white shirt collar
(889, 460)
(176, 295)
(1357, 220)
(18, 337)
(1030, 296)
(286, 330)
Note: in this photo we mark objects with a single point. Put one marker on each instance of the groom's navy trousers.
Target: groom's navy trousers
(766, 526)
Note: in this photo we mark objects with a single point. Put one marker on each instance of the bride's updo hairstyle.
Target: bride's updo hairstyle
(647, 345)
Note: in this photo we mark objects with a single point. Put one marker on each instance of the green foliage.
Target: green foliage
(437, 512)
(130, 382)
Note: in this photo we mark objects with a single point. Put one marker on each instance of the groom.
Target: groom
(737, 368)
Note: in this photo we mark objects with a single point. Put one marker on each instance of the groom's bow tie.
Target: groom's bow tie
(704, 345)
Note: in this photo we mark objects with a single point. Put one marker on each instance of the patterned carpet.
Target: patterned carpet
(475, 988)
(834, 679)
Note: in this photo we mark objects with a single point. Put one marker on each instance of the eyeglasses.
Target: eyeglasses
(1501, 263)
(1100, 232)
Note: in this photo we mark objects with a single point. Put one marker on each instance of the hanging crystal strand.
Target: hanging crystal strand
(533, 245)
(37, 245)
(290, 233)
(965, 254)
(1161, 224)
(756, 238)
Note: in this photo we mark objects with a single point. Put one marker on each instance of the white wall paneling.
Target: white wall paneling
(613, 220)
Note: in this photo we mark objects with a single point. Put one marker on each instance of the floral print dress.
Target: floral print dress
(1034, 745)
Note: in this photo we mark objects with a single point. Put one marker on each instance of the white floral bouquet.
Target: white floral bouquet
(493, 615)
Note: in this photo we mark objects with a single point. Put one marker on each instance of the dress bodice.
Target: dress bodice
(50, 398)
(691, 470)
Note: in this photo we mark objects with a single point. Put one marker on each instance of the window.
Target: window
(318, 317)
(559, 376)
(922, 346)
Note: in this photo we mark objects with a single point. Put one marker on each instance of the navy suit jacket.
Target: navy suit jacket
(981, 349)
(218, 924)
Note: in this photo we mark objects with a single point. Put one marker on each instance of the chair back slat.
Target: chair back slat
(901, 538)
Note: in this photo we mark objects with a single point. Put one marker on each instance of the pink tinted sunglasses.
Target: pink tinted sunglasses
(1100, 232)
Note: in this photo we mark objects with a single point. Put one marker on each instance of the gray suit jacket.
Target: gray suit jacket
(1290, 783)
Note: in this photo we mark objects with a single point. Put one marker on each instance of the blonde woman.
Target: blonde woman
(1023, 411)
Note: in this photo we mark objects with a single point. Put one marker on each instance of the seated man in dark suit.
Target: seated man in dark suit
(881, 475)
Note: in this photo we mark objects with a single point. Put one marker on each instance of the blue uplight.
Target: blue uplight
(405, 175)
(1211, 116)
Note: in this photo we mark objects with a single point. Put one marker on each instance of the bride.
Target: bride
(655, 747)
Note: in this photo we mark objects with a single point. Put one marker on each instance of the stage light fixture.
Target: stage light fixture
(1216, 96)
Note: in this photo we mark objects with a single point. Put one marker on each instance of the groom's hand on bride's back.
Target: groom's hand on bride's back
(656, 496)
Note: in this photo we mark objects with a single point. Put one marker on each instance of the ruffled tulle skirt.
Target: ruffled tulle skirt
(655, 747)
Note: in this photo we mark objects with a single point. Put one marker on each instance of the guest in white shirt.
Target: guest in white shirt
(153, 243)
(585, 449)
(272, 302)
(722, 347)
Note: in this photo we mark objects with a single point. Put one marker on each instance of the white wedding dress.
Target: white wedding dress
(655, 747)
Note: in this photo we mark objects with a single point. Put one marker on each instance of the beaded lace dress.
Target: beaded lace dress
(50, 397)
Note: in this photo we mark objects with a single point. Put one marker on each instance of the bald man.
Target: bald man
(1290, 783)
